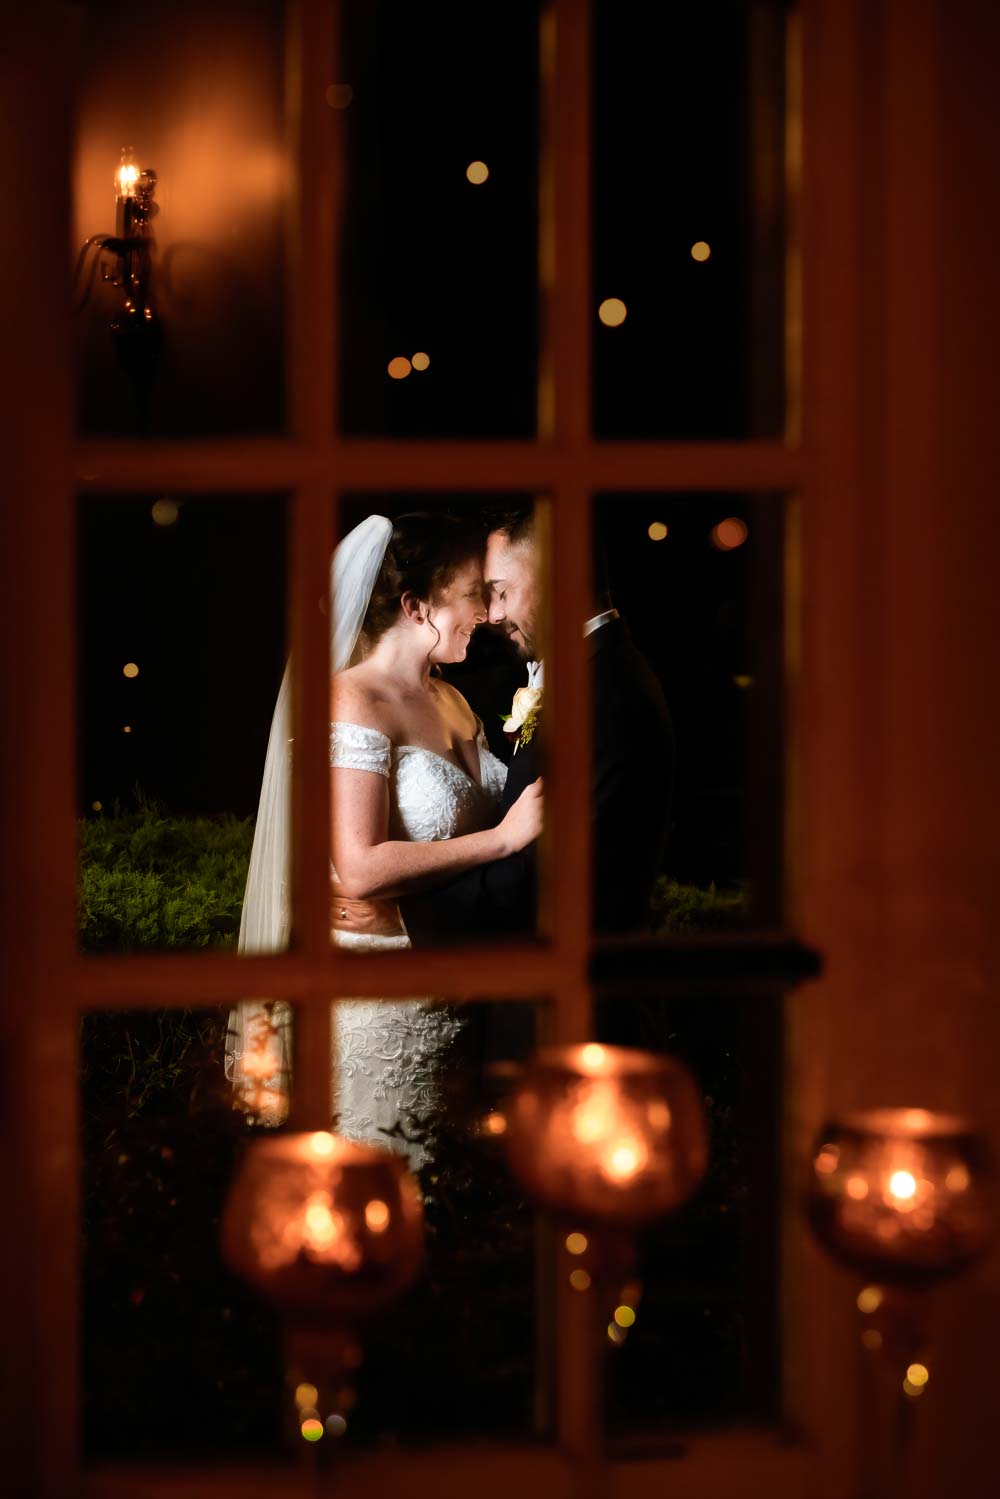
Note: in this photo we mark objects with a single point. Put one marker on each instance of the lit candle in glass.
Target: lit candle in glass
(606, 1133)
(903, 1195)
(326, 1228)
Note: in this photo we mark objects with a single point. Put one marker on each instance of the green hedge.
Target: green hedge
(152, 880)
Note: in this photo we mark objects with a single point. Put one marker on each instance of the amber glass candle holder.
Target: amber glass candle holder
(329, 1231)
(604, 1134)
(903, 1197)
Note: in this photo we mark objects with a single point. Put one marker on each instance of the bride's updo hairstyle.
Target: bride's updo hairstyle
(423, 555)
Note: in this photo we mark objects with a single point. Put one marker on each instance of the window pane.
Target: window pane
(689, 219)
(198, 92)
(693, 805)
(439, 258)
(421, 699)
(182, 1359)
(703, 1348)
(182, 612)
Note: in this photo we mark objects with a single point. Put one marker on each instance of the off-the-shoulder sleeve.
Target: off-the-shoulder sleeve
(353, 747)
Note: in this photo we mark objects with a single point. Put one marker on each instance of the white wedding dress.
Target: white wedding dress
(387, 1054)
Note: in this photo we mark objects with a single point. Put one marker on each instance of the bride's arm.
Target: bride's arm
(371, 866)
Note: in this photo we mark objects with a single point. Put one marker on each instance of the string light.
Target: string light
(576, 1243)
(700, 250)
(376, 1216)
(918, 1374)
(477, 172)
(658, 531)
(127, 729)
(399, 368)
(312, 1429)
(130, 669)
(612, 312)
(579, 1280)
(306, 1395)
(624, 1316)
(97, 806)
(870, 1299)
(421, 361)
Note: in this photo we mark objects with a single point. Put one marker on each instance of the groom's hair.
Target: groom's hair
(516, 522)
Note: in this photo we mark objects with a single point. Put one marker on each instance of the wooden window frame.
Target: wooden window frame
(313, 467)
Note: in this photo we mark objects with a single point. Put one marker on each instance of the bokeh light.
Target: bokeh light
(165, 512)
(130, 669)
(729, 534)
(339, 95)
(576, 1243)
(579, 1279)
(312, 1429)
(421, 361)
(700, 250)
(306, 1395)
(658, 531)
(495, 1123)
(322, 1143)
(376, 1216)
(336, 1425)
(870, 1299)
(918, 1374)
(127, 728)
(872, 1338)
(911, 1389)
(399, 368)
(624, 1316)
(97, 806)
(612, 312)
(957, 1179)
(616, 1334)
(477, 172)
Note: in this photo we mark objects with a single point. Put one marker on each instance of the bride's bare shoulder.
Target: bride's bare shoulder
(456, 705)
(354, 698)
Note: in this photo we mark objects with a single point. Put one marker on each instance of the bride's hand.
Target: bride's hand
(523, 822)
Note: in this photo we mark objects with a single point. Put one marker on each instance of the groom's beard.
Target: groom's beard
(522, 641)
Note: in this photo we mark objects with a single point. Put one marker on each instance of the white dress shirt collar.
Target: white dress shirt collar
(536, 669)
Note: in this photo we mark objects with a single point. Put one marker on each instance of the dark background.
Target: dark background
(432, 262)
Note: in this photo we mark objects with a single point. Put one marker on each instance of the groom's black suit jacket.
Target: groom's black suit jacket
(633, 767)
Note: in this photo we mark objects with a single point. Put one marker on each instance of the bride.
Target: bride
(415, 797)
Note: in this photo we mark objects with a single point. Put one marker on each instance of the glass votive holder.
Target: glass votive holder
(606, 1134)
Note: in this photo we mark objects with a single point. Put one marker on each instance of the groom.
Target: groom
(633, 767)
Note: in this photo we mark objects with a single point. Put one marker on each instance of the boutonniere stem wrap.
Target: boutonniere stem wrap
(522, 720)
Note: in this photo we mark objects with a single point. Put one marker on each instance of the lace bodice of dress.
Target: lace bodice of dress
(388, 1055)
(430, 797)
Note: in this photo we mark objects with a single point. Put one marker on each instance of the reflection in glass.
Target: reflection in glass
(689, 219)
(697, 580)
(439, 264)
(181, 647)
(181, 1358)
(197, 92)
(178, 1356)
(702, 1345)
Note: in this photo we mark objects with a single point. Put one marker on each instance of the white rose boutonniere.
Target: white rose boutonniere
(522, 721)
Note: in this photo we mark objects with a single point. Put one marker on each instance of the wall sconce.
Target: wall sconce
(125, 260)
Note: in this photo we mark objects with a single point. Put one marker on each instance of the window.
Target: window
(321, 447)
